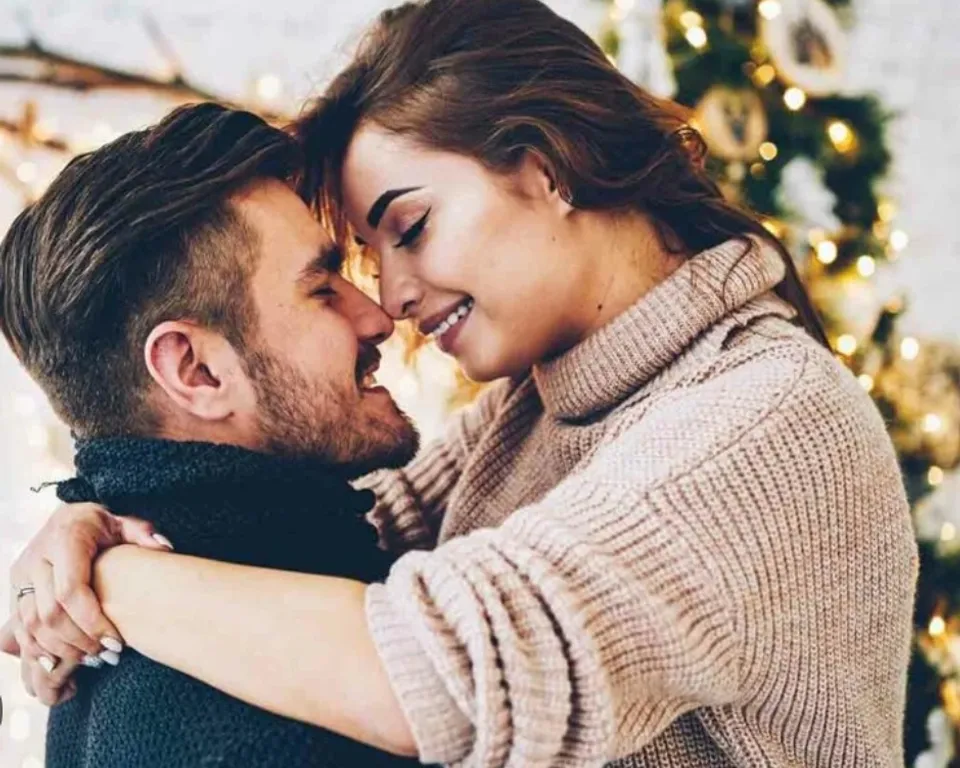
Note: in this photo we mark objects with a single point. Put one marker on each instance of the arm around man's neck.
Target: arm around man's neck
(294, 644)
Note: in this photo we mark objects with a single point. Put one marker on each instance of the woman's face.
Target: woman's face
(493, 267)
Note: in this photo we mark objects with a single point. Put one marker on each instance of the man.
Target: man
(185, 315)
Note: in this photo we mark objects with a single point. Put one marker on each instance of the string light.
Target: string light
(899, 240)
(269, 87)
(794, 98)
(769, 9)
(932, 423)
(773, 227)
(768, 150)
(909, 348)
(697, 37)
(948, 532)
(846, 345)
(934, 476)
(826, 252)
(886, 210)
(937, 626)
(866, 266)
(27, 172)
(866, 381)
(842, 136)
(690, 19)
(764, 75)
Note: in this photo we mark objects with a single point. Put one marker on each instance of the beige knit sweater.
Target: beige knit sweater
(685, 542)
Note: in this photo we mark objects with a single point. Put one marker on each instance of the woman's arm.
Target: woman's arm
(671, 573)
(411, 502)
(294, 644)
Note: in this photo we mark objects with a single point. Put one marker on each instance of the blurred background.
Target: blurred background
(835, 119)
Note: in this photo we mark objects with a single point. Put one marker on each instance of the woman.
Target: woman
(675, 533)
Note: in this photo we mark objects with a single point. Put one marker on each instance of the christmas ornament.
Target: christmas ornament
(807, 45)
(733, 122)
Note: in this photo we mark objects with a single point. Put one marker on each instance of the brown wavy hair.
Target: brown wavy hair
(492, 79)
(137, 232)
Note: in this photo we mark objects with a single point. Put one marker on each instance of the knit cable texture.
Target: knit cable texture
(685, 542)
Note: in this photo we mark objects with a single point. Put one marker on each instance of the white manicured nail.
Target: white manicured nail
(111, 644)
(47, 663)
(110, 657)
(91, 661)
(162, 540)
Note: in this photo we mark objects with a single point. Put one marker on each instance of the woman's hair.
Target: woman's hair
(494, 79)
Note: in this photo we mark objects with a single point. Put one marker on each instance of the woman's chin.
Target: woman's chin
(475, 370)
(486, 368)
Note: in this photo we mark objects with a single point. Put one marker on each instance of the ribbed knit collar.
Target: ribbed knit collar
(619, 358)
(194, 491)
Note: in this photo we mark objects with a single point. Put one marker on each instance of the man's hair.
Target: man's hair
(138, 232)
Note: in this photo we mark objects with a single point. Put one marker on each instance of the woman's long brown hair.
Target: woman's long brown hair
(492, 79)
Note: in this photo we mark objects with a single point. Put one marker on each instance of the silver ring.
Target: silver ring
(28, 589)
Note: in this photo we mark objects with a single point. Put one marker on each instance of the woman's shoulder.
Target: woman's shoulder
(772, 392)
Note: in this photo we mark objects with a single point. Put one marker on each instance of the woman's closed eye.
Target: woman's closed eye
(410, 236)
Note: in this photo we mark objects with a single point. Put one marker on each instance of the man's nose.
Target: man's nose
(371, 324)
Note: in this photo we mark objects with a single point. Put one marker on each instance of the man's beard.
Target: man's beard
(321, 420)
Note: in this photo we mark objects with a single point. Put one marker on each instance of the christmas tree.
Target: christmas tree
(764, 82)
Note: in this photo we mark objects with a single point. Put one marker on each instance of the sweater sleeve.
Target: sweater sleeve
(632, 593)
(411, 502)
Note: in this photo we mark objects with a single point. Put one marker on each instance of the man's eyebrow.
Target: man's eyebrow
(329, 259)
(383, 202)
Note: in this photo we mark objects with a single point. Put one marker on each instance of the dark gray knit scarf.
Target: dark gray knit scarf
(226, 503)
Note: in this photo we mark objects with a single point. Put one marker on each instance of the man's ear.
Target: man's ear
(538, 179)
(196, 369)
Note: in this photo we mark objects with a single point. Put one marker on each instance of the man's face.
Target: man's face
(313, 352)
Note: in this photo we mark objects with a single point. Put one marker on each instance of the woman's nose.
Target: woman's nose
(400, 292)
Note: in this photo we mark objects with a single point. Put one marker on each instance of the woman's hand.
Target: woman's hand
(55, 618)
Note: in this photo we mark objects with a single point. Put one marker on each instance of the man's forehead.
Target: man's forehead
(289, 236)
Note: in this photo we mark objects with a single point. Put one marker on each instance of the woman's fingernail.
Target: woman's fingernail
(91, 661)
(163, 541)
(110, 657)
(111, 644)
(47, 663)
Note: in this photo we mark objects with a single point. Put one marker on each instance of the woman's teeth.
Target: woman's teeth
(452, 319)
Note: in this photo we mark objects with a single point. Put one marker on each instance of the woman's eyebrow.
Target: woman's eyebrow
(379, 208)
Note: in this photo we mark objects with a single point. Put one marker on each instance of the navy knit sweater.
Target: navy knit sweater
(224, 503)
